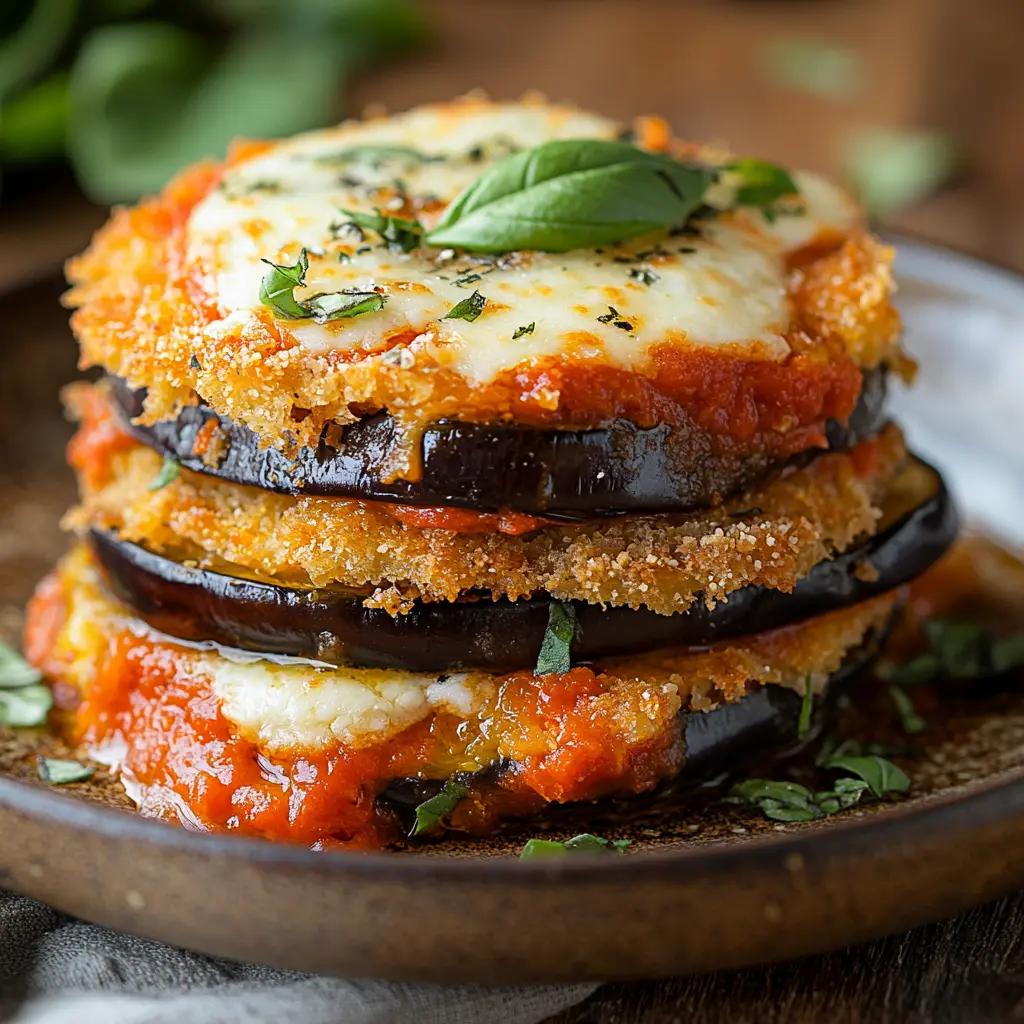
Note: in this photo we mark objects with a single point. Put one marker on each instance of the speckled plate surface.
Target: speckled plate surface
(703, 886)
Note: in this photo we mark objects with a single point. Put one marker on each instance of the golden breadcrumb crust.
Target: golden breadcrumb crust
(771, 537)
(141, 313)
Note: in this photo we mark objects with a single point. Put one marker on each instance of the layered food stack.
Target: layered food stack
(458, 463)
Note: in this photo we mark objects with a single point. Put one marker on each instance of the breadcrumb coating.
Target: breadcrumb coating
(145, 312)
(771, 537)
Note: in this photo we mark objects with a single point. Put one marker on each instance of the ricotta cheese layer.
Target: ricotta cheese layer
(722, 283)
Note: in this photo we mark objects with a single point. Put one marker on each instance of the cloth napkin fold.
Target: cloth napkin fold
(57, 970)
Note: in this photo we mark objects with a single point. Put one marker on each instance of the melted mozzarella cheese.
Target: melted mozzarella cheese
(283, 708)
(725, 285)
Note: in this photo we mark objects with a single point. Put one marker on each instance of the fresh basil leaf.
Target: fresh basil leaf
(468, 309)
(149, 97)
(25, 706)
(959, 650)
(537, 849)
(376, 155)
(519, 332)
(34, 122)
(962, 647)
(555, 648)
(431, 811)
(57, 772)
(911, 721)
(882, 776)
(399, 234)
(571, 194)
(845, 794)
(15, 671)
(862, 748)
(803, 726)
(781, 801)
(168, 472)
(35, 44)
(277, 289)
(327, 306)
(761, 183)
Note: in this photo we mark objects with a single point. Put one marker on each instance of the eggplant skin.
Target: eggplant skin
(718, 743)
(617, 469)
(334, 626)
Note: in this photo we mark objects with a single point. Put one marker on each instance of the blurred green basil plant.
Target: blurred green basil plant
(129, 91)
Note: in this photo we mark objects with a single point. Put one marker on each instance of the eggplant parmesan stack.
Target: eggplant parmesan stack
(455, 464)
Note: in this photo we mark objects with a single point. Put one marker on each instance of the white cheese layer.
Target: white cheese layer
(725, 286)
(284, 708)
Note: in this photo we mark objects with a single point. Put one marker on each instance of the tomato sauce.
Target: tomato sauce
(151, 699)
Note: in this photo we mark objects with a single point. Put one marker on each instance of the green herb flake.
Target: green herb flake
(15, 671)
(543, 849)
(912, 722)
(959, 650)
(376, 155)
(398, 234)
(780, 801)
(789, 801)
(57, 772)
(327, 306)
(882, 776)
(431, 811)
(168, 472)
(520, 332)
(571, 194)
(643, 275)
(468, 309)
(555, 648)
(25, 706)
(277, 289)
(761, 183)
(803, 726)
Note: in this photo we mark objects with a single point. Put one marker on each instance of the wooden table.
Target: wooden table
(939, 64)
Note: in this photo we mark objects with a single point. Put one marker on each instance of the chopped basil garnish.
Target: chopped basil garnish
(803, 726)
(616, 319)
(375, 155)
(882, 776)
(554, 656)
(24, 701)
(519, 332)
(959, 650)
(59, 773)
(911, 721)
(277, 289)
(467, 309)
(644, 276)
(571, 194)
(538, 849)
(25, 706)
(431, 811)
(789, 801)
(398, 234)
(15, 671)
(761, 183)
(327, 306)
(168, 472)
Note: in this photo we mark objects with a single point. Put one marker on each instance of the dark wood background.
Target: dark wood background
(946, 65)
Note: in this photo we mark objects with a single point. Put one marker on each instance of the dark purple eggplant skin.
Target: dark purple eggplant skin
(718, 744)
(613, 470)
(334, 626)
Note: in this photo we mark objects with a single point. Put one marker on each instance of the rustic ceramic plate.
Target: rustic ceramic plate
(704, 887)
